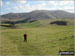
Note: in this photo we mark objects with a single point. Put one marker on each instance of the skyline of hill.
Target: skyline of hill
(37, 15)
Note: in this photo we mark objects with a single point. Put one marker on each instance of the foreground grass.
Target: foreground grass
(41, 40)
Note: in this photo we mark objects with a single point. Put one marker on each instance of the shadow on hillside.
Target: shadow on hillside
(59, 22)
(5, 25)
(9, 26)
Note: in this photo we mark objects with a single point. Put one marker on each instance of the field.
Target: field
(43, 38)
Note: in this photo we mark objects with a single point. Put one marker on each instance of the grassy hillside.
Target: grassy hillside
(29, 25)
(43, 38)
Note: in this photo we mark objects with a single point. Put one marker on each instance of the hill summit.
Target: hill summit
(39, 14)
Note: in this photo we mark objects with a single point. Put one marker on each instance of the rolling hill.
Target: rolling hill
(43, 38)
(37, 15)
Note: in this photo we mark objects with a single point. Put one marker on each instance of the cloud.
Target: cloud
(27, 7)
(54, 3)
(14, 8)
(39, 7)
(66, 3)
(20, 1)
(62, 5)
(7, 3)
(51, 5)
(69, 9)
(1, 3)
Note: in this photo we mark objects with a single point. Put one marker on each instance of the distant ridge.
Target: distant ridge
(38, 14)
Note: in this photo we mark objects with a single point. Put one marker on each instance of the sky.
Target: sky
(21, 6)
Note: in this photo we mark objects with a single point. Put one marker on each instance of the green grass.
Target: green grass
(29, 25)
(42, 39)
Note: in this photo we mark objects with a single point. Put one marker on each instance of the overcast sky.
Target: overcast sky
(18, 6)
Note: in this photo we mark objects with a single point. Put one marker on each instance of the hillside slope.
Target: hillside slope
(38, 14)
